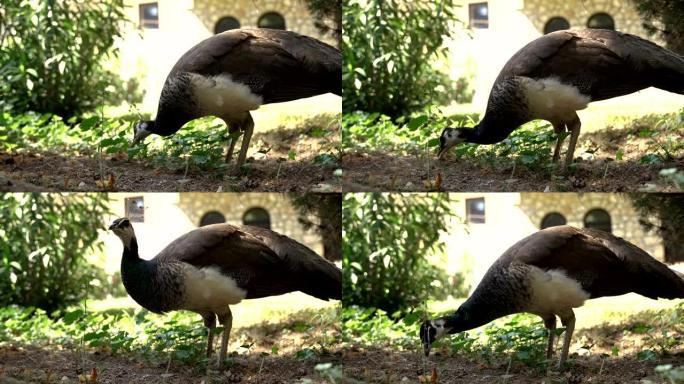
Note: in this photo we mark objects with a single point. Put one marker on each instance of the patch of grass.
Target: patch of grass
(199, 145)
(529, 146)
(521, 338)
(177, 336)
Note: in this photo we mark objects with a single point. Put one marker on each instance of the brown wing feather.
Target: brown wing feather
(262, 261)
(601, 63)
(604, 264)
(279, 65)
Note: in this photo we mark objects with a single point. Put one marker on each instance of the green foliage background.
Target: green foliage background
(44, 241)
(388, 48)
(386, 241)
(51, 55)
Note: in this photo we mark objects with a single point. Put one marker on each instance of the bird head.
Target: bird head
(123, 229)
(142, 130)
(449, 138)
(431, 331)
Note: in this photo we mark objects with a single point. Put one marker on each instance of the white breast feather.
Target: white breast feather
(221, 96)
(554, 292)
(549, 99)
(207, 289)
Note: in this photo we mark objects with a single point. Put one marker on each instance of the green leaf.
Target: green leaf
(72, 316)
(89, 122)
(417, 122)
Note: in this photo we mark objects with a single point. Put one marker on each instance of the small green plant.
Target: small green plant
(529, 146)
(387, 239)
(52, 55)
(389, 48)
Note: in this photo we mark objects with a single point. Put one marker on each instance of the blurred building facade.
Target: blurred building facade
(159, 218)
(160, 32)
(496, 29)
(496, 221)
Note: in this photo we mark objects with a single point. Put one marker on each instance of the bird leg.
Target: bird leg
(248, 128)
(210, 323)
(559, 129)
(574, 127)
(232, 128)
(226, 320)
(568, 320)
(550, 324)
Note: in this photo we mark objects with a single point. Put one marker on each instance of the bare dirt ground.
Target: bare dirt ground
(381, 171)
(382, 366)
(51, 171)
(35, 365)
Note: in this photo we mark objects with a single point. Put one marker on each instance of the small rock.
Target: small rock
(64, 379)
(166, 375)
(259, 156)
(184, 181)
(82, 184)
(338, 172)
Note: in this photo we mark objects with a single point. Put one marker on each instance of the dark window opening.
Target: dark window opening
(556, 24)
(598, 219)
(212, 217)
(226, 24)
(257, 217)
(478, 15)
(135, 209)
(553, 219)
(601, 21)
(149, 15)
(475, 210)
(273, 20)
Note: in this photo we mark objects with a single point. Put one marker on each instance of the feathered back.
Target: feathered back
(264, 262)
(279, 65)
(604, 264)
(601, 63)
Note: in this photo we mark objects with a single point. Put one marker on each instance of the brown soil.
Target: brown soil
(36, 365)
(50, 171)
(383, 171)
(383, 366)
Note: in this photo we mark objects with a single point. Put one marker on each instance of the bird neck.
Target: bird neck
(472, 314)
(169, 120)
(492, 129)
(155, 286)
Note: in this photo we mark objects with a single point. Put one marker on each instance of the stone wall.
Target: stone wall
(234, 205)
(247, 12)
(578, 12)
(574, 207)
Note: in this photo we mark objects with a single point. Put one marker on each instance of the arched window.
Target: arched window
(212, 217)
(556, 24)
(553, 219)
(601, 21)
(226, 23)
(257, 217)
(273, 20)
(598, 219)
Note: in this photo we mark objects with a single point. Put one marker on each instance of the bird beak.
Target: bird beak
(111, 227)
(426, 348)
(139, 136)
